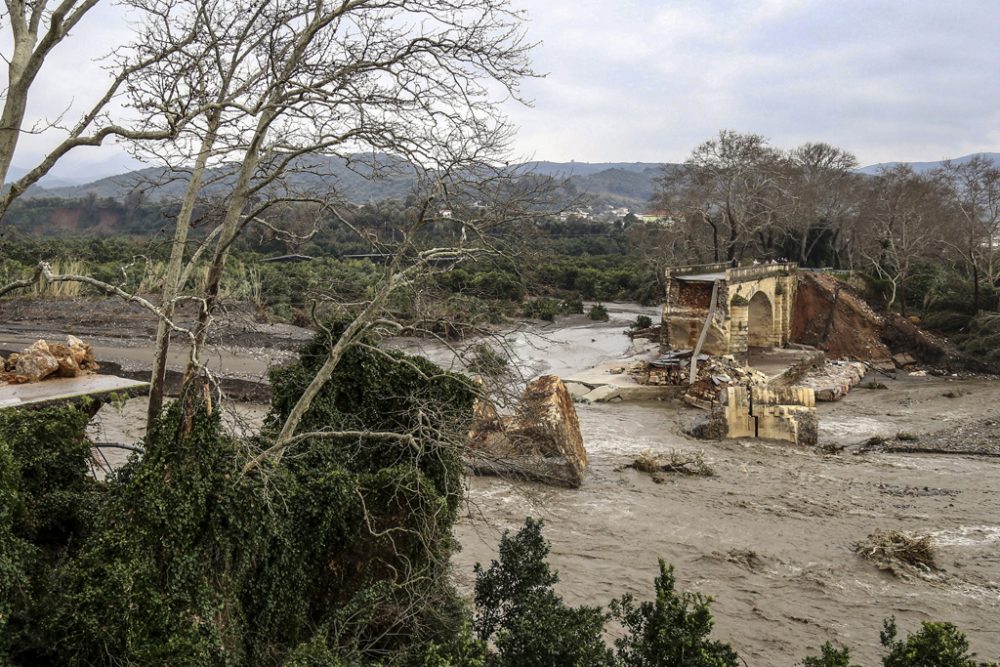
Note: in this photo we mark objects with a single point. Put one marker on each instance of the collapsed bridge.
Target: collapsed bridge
(721, 310)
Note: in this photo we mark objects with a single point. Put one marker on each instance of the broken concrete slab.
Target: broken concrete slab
(602, 394)
(577, 390)
(627, 385)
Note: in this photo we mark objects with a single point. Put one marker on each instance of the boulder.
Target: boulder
(68, 366)
(601, 394)
(82, 353)
(542, 442)
(36, 363)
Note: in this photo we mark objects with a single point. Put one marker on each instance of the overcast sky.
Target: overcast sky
(647, 80)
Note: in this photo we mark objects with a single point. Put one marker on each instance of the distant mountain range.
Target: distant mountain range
(612, 183)
(616, 183)
(924, 167)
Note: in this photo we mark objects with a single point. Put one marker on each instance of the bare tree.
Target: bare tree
(733, 186)
(972, 189)
(37, 27)
(822, 190)
(902, 216)
(410, 264)
(267, 93)
(282, 89)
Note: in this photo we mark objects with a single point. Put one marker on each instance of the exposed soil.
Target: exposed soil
(831, 315)
(834, 316)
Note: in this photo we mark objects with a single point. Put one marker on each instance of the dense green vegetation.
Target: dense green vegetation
(567, 262)
(181, 559)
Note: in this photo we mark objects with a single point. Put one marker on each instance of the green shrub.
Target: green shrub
(47, 509)
(529, 624)
(829, 657)
(934, 645)
(739, 300)
(982, 340)
(671, 631)
(642, 322)
(598, 313)
(181, 559)
(485, 360)
(542, 309)
(572, 305)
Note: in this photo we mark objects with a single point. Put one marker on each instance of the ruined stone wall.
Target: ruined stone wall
(687, 307)
(785, 413)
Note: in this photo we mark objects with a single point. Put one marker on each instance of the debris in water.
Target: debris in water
(889, 550)
(673, 461)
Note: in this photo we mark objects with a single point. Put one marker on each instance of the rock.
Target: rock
(68, 366)
(903, 360)
(601, 394)
(36, 363)
(542, 442)
(710, 427)
(577, 390)
(829, 394)
(918, 374)
(82, 353)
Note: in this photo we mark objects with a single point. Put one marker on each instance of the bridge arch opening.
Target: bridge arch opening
(760, 321)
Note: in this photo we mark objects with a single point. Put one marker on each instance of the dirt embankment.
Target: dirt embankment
(835, 317)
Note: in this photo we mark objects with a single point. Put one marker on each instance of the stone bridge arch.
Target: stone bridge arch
(753, 307)
(760, 321)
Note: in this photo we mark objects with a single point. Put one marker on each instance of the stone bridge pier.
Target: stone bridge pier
(752, 307)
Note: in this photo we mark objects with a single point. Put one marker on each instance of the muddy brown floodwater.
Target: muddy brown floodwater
(768, 536)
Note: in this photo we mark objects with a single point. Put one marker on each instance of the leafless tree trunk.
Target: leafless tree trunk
(36, 29)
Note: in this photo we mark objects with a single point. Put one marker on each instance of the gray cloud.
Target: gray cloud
(650, 79)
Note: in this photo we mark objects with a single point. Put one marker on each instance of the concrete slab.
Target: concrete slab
(703, 277)
(615, 385)
(61, 390)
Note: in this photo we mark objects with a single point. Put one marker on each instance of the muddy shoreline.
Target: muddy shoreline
(768, 536)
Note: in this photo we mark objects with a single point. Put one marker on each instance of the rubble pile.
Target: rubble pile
(830, 380)
(714, 375)
(43, 359)
(542, 442)
(834, 380)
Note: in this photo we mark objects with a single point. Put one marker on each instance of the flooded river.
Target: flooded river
(769, 535)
